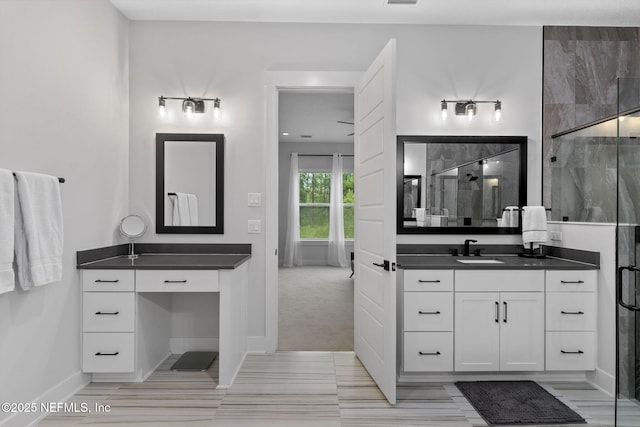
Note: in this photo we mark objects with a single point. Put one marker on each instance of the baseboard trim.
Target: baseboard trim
(407, 378)
(58, 393)
(603, 381)
(182, 345)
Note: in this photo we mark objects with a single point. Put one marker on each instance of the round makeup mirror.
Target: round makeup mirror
(132, 226)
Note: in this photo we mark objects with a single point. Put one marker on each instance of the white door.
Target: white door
(477, 331)
(375, 233)
(522, 331)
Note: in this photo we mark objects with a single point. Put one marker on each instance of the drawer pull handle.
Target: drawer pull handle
(572, 352)
(175, 281)
(571, 312)
(107, 313)
(428, 281)
(423, 353)
(571, 281)
(107, 354)
(428, 312)
(107, 281)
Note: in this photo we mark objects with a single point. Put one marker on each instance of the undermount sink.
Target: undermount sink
(480, 261)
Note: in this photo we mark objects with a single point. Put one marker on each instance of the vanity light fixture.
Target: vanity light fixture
(190, 105)
(469, 108)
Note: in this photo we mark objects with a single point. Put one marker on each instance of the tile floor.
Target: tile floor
(314, 389)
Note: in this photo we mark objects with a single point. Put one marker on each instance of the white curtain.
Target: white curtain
(292, 245)
(337, 253)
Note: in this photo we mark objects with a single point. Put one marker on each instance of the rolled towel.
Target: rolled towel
(534, 226)
(7, 203)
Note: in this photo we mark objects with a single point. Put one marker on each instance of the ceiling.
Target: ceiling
(448, 12)
(315, 114)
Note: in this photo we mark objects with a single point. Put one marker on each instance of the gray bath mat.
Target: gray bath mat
(516, 402)
(195, 361)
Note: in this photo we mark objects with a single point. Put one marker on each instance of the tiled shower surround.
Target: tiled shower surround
(581, 68)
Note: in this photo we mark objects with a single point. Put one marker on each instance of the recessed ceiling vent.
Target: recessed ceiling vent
(305, 136)
(402, 1)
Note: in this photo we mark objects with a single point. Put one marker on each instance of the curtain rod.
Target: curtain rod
(60, 180)
(321, 155)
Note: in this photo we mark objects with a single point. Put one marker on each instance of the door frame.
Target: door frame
(276, 81)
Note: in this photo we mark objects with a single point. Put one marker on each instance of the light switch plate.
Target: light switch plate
(254, 199)
(254, 226)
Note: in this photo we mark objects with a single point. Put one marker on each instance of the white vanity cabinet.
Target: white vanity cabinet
(108, 321)
(427, 320)
(499, 321)
(127, 319)
(571, 316)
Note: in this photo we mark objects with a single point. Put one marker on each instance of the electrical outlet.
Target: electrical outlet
(254, 199)
(254, 226)
(555, 235)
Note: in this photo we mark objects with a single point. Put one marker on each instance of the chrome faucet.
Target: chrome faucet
(465, 252)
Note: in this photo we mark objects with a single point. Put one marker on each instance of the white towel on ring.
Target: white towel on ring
(7, 221)
(534, 226)
(38, 229)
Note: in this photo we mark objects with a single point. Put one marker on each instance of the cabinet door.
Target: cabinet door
(522, 331)
(477, 331)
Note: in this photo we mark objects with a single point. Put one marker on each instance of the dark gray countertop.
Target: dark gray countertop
(510, 262)
(169, 262)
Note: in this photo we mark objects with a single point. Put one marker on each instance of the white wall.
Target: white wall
(228, 60)
(313, 252)
(598, 238)
(64, 81)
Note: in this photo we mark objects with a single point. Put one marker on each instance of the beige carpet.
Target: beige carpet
(315, 309)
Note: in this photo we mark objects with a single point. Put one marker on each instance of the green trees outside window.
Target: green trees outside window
(314, 204)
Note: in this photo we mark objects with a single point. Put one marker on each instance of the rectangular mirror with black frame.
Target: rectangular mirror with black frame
(460, 184)
(189, 183)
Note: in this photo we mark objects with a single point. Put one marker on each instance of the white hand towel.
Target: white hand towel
(181, 215)
(7, 203)
(38, 229)
(510, 216)
(175, 212)
(534, 226)
(192, 203)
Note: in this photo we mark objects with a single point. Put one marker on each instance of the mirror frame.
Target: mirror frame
(452, 139)
(161, 138)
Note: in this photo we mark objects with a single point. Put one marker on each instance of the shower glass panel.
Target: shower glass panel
(583, 174)
(627, 254)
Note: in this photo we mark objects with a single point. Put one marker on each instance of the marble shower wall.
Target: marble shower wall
(581, 68)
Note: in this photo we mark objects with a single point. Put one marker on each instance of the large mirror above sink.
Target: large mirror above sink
(189, 183)
(460, 184)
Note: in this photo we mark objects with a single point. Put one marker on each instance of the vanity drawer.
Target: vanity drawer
(571, 351)
(571, 311)
(177, 281)
(107, 352)
(428, 280)
(428, 311)
(428, 351)
(108, 312)
(108, 280)
(499, 280)
(572, 281)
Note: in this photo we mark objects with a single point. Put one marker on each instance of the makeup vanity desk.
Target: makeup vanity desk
(126, 305)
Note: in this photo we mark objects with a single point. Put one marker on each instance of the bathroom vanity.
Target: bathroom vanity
(126, 325)
(501, 313)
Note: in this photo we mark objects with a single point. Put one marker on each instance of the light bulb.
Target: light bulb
(162, 109)
(445, 110)
(216, 109)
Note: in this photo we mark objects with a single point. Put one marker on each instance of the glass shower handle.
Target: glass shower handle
(620, 297)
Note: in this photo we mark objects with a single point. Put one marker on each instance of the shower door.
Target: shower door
(628, 254)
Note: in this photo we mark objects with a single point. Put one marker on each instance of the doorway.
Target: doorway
(315, 294)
